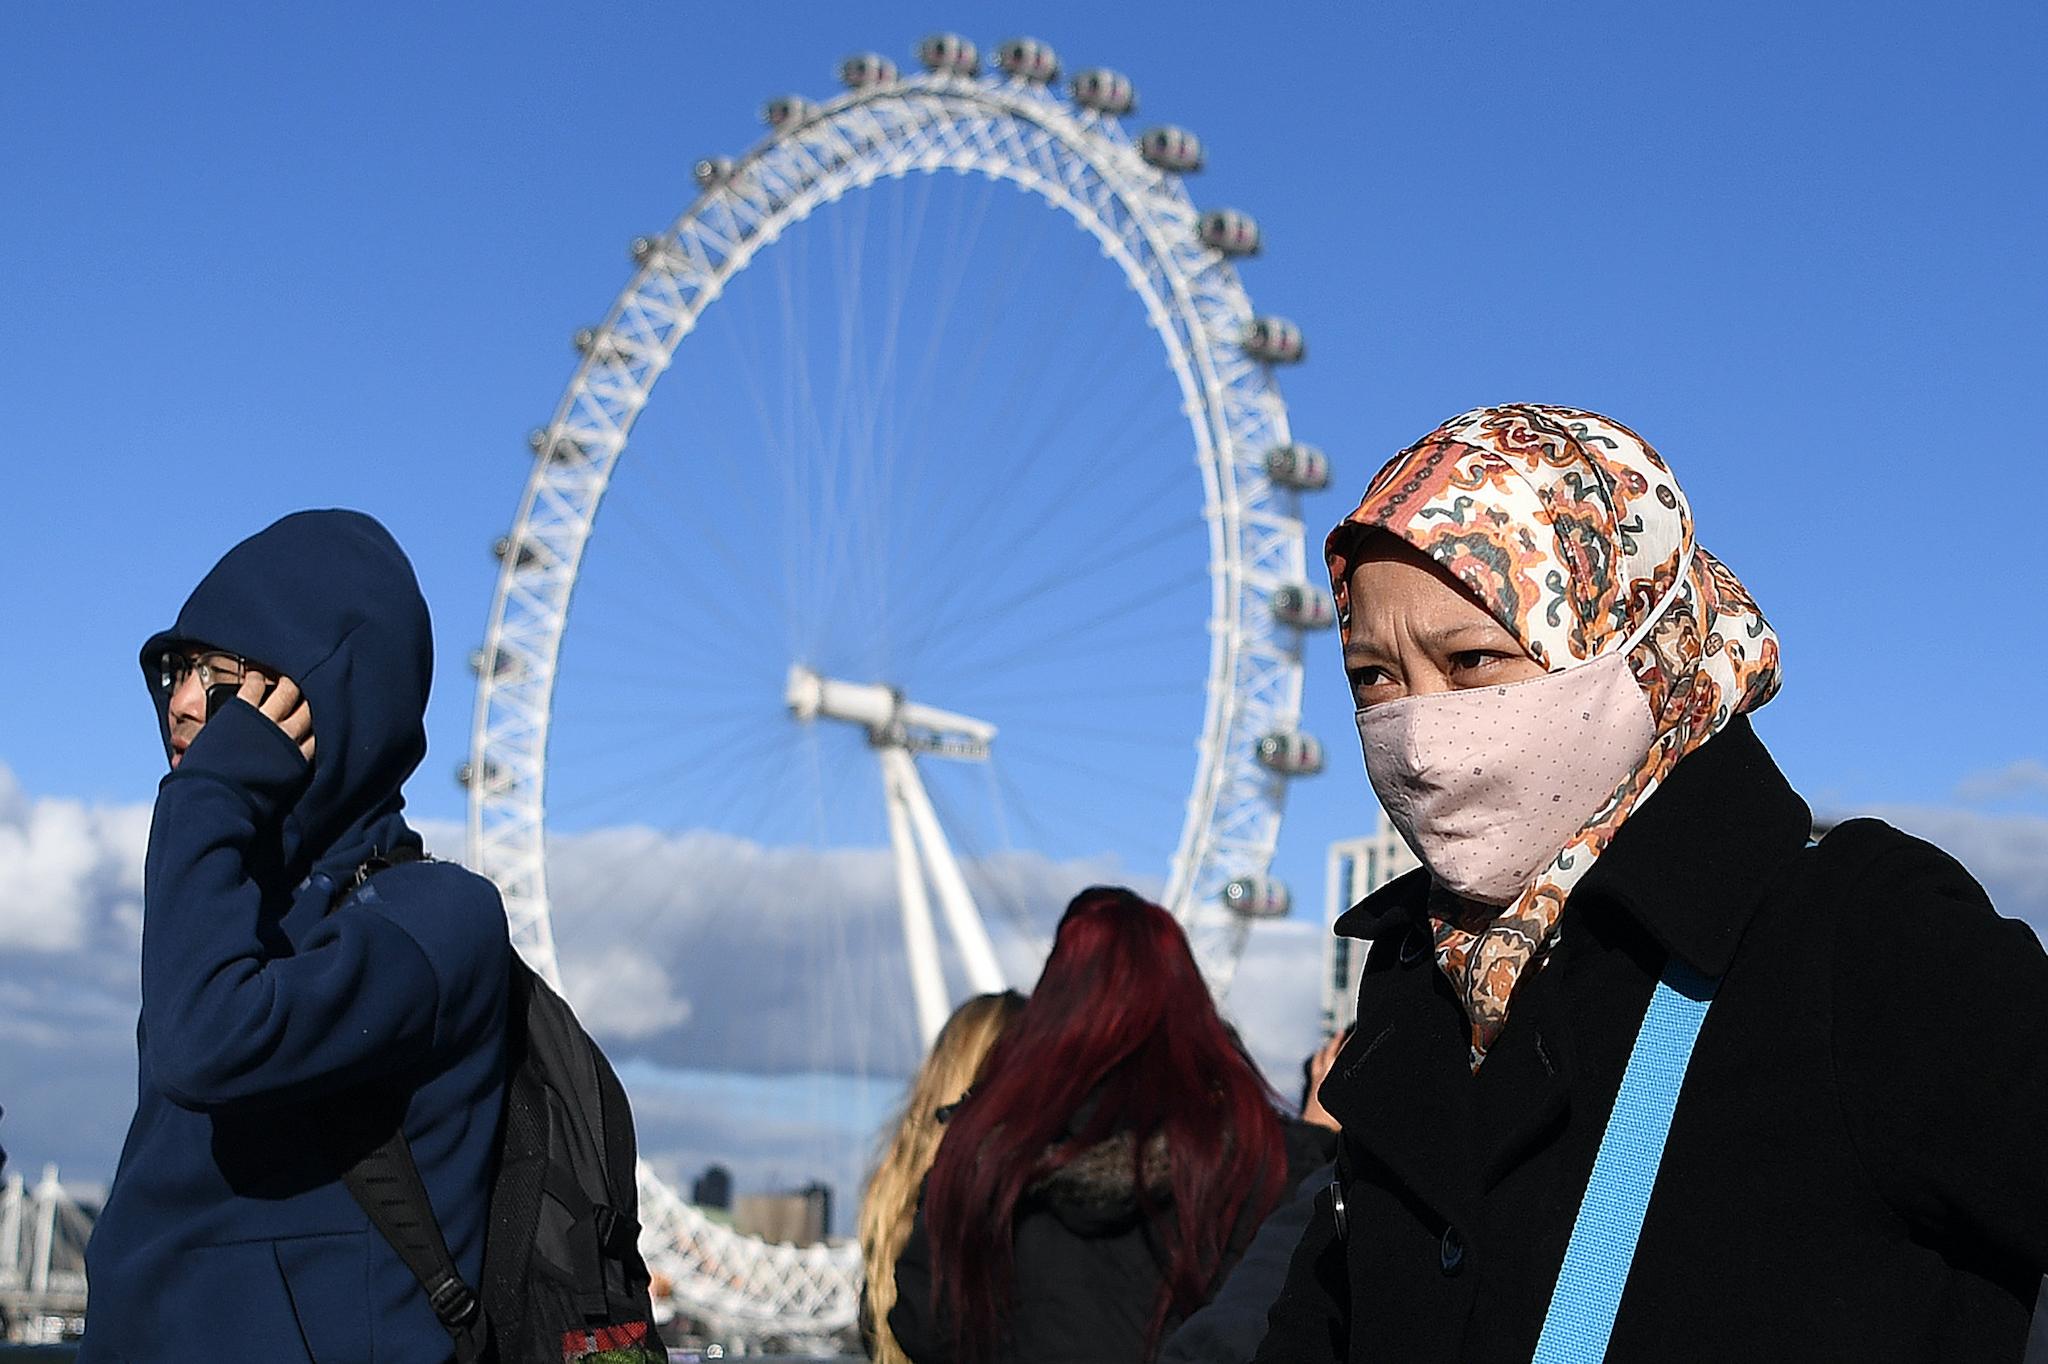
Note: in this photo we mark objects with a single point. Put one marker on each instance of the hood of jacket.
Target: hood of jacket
(328, 599)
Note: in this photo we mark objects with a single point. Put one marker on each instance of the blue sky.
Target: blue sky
(258, 257)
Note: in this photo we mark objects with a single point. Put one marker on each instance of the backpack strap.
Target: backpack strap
(385, 1183)
(1610, 1221)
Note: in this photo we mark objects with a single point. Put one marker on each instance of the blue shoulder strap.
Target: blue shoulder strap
(1603, 1244)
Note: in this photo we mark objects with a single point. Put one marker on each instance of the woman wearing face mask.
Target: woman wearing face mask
(1639, 1071)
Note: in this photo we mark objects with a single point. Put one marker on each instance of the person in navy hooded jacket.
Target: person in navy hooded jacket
(281, 1001)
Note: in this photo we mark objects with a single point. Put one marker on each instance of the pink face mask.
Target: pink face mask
(1487, 784)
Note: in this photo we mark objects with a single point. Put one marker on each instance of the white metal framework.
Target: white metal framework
(898, 729)
(1007, 126)
(43, 1231)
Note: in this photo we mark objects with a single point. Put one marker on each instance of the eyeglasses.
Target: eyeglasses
(214, 669)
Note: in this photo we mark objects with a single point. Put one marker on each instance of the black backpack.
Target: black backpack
(563, 1281)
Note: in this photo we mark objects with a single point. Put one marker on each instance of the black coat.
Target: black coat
(1087, 1269)
(1855, 1169)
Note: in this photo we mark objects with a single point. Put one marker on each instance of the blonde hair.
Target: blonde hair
(889, 1202)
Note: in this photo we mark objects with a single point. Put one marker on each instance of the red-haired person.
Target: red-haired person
(1117, 1155)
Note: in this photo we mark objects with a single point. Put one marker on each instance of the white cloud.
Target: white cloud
(1276, 997)
(2027, 777)
(2008, 853)
(620, 993)
(67, 869)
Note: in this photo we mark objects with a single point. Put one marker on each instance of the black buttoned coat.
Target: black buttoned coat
(1858, 1165)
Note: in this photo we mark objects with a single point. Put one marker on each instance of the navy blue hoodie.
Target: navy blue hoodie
(227, 1234)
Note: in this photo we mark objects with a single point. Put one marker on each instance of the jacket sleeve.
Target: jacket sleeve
(1941, 1048)
(1228, 1329)
(1311, 1318)
(230, 1020)
(912, 1321)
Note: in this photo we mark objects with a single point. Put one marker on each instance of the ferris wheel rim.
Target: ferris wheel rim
(620, 365)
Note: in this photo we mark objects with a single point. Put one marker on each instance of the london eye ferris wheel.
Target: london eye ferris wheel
(924, 548)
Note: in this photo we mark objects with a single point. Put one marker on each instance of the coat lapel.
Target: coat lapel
(1524, 1091)
(1401, 1088)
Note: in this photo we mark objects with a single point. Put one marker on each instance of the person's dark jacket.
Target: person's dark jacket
(1853, 1171)
(1087, 1276)
(1228, 1328)
(226, 1234)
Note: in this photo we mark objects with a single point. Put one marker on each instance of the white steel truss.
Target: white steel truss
(1085, 164)
(43, 1231)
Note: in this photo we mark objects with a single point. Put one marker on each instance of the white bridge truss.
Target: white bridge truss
(43, 1231)
(1083, 163)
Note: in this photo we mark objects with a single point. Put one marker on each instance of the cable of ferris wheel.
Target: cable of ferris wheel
(954, 605)
(743, 630)
(1043, 644)
(1064, 574)
(649, 911)
(858, 526)
(1120, 779)
(633, 798)
(996, 304)
(694, 513)
(1055, 504)
(977, 857)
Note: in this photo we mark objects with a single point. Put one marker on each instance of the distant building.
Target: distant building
(821, 1197)
(802, 1218)
(713, 1188)
(1358, 867)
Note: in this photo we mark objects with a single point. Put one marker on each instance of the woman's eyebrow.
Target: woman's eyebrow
(1442, 638)
(1488, 631)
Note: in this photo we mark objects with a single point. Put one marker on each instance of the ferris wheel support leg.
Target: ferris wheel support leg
(920, 936)
(963, 919)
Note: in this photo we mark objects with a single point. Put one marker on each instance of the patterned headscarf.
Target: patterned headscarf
(1569, 529)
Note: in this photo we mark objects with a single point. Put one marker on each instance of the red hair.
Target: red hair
(1122, 1022)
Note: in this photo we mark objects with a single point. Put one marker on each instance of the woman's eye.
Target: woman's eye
(1365, 680)
(1471, 660)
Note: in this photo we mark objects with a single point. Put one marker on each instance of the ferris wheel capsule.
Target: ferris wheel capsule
(525, 556)
(601, 345)
(1171, 149)
(1030, 60)
(1105, 91)
(1275, 340)
(555, 449)
(787, 111)
(1258, 897)
(949, 54)
(1298, 466)
(865, 70)
(712, 172)
(1291, 753)
(498, 662)
(1230, 232)
(485, 773)
(1304, 607)
(658, 251)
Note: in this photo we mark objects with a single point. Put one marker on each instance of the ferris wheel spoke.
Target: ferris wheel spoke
(1122, 551)
(692, 512)
(637, 796)
(998, 304)
(1046, 645)
(1119, 780)
(941, 615)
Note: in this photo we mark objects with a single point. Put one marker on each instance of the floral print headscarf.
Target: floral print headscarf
(1569, 529)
